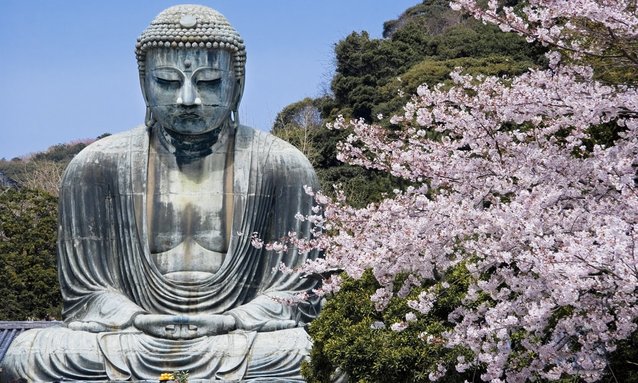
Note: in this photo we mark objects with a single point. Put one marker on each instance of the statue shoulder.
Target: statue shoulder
(118, 142)
(281, 159)
(101, 154)
(274, 147)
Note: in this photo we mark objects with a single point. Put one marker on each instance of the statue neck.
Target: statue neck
(186, 146)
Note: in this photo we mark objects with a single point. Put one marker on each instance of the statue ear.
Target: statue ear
(239, 91)
(143, 87)
(148, 119)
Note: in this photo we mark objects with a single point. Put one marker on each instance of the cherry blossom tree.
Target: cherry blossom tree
(510, 181)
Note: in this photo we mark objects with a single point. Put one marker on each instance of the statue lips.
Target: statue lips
(188, 112)
(190, 116)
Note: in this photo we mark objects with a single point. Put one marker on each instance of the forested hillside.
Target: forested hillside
(28, 232)
(374, 78)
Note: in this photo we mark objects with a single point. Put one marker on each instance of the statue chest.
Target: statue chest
(187, 228)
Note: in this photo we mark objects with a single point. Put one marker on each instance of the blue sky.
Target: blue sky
(68, 69)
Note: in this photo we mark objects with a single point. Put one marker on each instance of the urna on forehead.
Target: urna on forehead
(191, 27)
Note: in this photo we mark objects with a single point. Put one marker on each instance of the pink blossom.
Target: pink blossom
(399, 326)
(554, 220)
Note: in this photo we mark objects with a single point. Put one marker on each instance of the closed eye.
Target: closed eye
(168, 77)
(167, 82)
(207, 77)
(208, 82)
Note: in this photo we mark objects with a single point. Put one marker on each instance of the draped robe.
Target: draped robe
(107, 275)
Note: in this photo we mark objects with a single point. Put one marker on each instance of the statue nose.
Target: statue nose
(188, 95)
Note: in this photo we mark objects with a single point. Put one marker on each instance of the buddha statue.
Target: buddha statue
(156, 266)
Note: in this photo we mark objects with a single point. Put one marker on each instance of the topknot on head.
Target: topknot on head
(191, 26)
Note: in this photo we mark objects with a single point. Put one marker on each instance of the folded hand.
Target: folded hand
(184, 326)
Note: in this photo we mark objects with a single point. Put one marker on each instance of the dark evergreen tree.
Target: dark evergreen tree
(28, 225)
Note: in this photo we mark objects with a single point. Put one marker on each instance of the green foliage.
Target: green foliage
(616, 63)
(430, 32)
(345, 338)
(44, 170)
(28, 224)
(623, 363)
(16, 168)
(423, 46)
(362, 186)
(474, 39)
(60, 152)
(180, 376)
(431, 16)
(345, 335)
(434, 71)
(377, 76)
(28, 230)
(300, 124)
(44, 166)
(364, 64)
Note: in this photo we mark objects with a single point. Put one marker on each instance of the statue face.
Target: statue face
(190, 91)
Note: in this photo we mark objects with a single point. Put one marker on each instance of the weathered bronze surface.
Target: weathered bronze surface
(156, 264)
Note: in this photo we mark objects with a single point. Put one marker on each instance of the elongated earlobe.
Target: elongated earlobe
(239, 91)
(149, 121)
(234, 119)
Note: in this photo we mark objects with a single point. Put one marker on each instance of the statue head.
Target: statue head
(191, 63)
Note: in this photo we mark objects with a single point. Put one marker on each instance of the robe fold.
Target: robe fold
(107, 275)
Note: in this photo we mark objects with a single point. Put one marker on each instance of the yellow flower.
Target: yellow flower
(166, 376)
